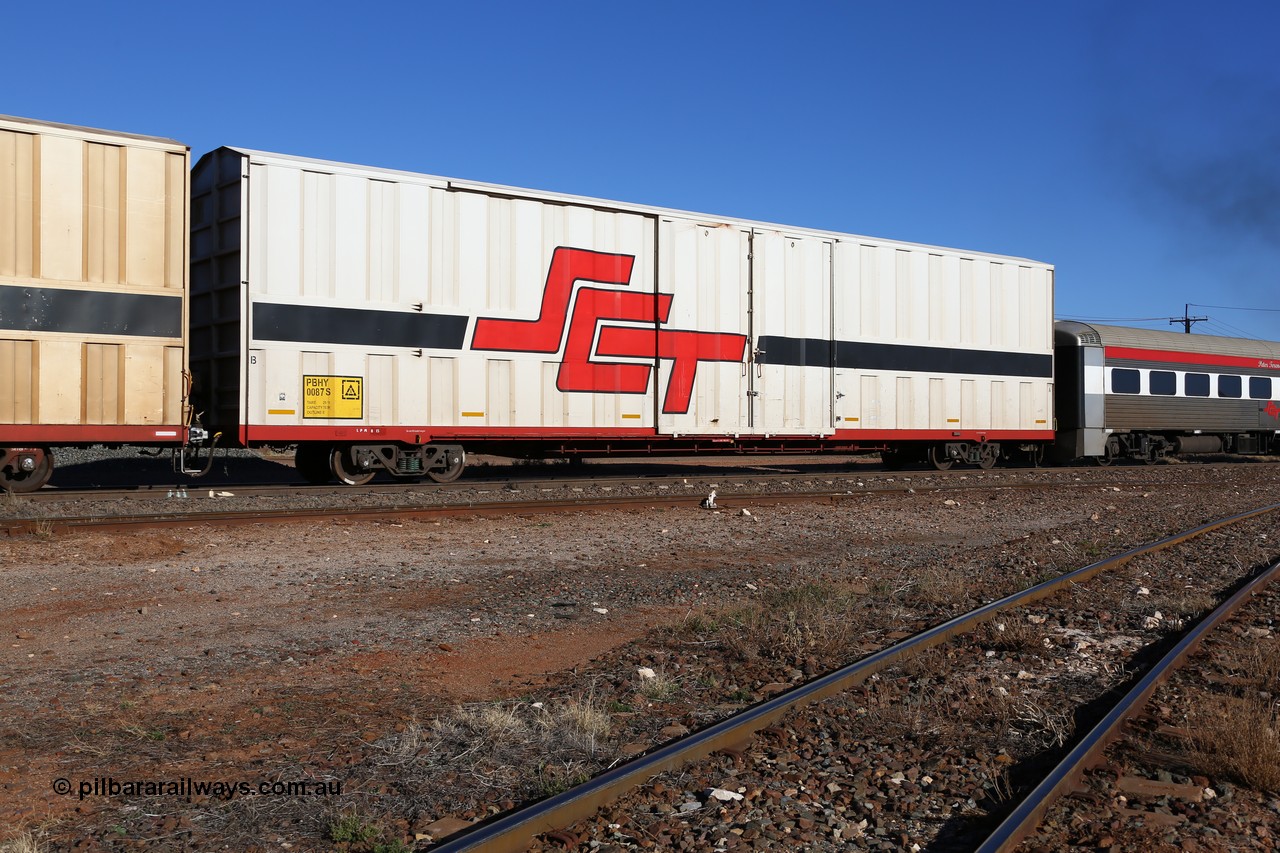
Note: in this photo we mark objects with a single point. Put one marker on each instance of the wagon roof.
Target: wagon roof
(33, 125)
(333, 167)
(1124, 336)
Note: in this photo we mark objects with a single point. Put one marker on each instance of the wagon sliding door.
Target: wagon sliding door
(791, 378)
(705, 269)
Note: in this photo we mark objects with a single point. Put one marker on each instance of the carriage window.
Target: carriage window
(1259, 388)
(1197, 384)
(1124, 381)
(1228, 386)
(1164, 383)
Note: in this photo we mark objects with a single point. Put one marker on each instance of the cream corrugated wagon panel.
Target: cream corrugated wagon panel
(442, 390)
(146, 217)
(177, 192)
(705, 269)
(61, 205)
(384, 239)
(1006, 304)
(986, 294)
(866, 300)
(909, 297)
(17, 199)
(553, 406)
(413, 262)
(999, 405)
(412, 383)
(104, 384)
(143, 383)
(103, 211)
(500, 403)
(174, 385)
(380, 395)
(274, 252)
(1026, 406)
(937, 418)
(876, 402)
(351, 236)
(1037, 309)
(969, 405)
(318, 243)
(61, 370)
(17, 382)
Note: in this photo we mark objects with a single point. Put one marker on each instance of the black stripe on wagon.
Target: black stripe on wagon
(90, 312)
(360, 326)
(815, 352)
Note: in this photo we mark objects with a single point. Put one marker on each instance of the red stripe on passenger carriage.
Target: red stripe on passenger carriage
(543, 334)
(1137, 354)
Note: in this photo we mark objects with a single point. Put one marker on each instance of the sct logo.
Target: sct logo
(593, 307)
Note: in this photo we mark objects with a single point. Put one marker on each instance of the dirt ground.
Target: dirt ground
(276, 654)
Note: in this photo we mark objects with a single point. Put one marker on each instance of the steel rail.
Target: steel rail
(62, 524)
(18, 526)
(514, 831)
(1089, 752)
(56, 524)
(201, 491)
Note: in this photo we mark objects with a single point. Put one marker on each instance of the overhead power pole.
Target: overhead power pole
(1186, 319)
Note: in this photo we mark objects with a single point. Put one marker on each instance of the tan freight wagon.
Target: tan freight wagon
(93, 289)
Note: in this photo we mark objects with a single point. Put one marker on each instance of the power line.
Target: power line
(1083, 318)
(1232, 307)
(1186, 319)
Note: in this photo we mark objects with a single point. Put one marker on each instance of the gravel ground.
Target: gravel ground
(362, 654)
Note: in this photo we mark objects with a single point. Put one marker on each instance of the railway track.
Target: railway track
(59, 511)
(556, 815)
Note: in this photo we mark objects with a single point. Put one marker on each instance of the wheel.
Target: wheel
(14, 480)
(345, 470)
(1109, 453)
(312, 463)
(457, 461)
(987, 456)
(938, 458)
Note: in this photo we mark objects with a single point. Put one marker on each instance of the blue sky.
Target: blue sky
(1135, 145)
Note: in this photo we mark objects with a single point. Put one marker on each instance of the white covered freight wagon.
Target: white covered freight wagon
(385, 320)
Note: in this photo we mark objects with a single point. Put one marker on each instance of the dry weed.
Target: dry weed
(1012, 634)
(1238, 737)
(1187, 604)
(938, 585)
(791, 624)
(659, 686)
(24, 842)
(537, 748)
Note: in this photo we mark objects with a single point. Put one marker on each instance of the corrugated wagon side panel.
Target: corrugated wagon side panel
(355, 263)
(978, 327)
(93, 281)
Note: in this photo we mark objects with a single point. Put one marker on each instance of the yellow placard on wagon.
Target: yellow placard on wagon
(333, 397)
